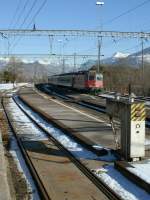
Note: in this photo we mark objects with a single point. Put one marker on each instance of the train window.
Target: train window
(91, 77)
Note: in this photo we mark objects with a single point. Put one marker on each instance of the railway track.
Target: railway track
(98, 109)
(85, 170)
(90, 105)
(46, 106)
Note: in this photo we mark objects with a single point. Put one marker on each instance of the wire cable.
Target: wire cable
(15, 14)
(37, 13)
(33, 18)
(21, 13)
(28, 13)
(127, 12)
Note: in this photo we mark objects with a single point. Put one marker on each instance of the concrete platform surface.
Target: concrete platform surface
(90, 129)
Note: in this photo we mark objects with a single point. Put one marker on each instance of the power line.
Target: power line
(135, 46)
(35, 15)
(15, 13)
(21, 12)
(127, 12)
(28, 13)
(33, 18)
(38, 11)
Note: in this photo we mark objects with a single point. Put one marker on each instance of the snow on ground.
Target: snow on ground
(21, 165)
(6, 86)
(147, 142)
(29, 132)
(122, 186)
(147, 103)
(114, 179)
(65, 140)
(142, 170)
(25, 127)
(107, 96)
(10, 86)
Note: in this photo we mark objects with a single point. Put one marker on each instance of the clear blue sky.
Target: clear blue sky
(75, 14)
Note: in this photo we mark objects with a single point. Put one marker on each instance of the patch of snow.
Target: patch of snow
(120, 55)
(6, 86)
(28, 61)
(147, 142)
(21, 165)
(107, 96)
(4, 59)
(44, 61)
(25, 127)
(110, 176)
(142, 170)
(122, 186)
(147, 103)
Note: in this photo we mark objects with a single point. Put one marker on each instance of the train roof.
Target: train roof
(73, 73)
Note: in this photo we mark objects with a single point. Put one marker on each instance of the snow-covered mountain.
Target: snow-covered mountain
(115, 58)
(119, 55)
(42, 61)
(31, 66)
(3, 62)
(136, 58)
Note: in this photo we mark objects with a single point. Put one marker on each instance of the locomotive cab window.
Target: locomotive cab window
(91, 77)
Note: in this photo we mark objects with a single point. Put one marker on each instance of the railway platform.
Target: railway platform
(89, 129)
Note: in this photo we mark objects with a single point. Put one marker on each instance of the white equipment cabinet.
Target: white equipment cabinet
(132, 117)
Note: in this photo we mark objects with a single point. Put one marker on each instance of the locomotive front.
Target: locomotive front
(94, 81)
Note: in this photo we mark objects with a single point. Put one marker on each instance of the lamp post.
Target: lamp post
(99, 3)
(74, 70)
(99, 53)
(142, 62)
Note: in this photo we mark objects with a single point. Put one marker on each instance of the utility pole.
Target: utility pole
(74, 62)
(142, 62)
(63, 69)
(8, 47)
(51, 43)
(35, 74)
(99, 53)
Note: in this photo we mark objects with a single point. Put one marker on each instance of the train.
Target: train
(81, 80)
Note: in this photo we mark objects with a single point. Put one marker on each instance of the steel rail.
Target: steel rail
(93, 106)
(43, 193)
(100, 184)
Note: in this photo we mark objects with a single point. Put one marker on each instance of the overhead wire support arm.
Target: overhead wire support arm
(47, 55)
(3, 36)
(79, 33)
